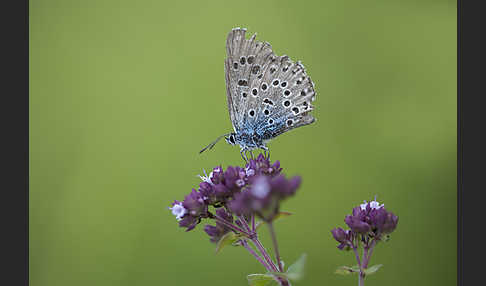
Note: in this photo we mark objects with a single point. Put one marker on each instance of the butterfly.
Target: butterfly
(267, 94)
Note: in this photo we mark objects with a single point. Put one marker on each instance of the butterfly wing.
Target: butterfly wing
(266, 93)
(244, 62)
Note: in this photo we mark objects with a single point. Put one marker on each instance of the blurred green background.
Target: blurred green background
(123, 95)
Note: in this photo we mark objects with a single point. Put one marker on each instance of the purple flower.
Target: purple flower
(344, 237)
(384, 222)
(357, 225)
(256, 189)
(263, 196)
(189, 222)
(222, 193)
(368, 223)
(234, 178)
(216, 232)
(207, 191)
(185, 219)
(262, 166)
(371, 218)
(217, 175)
(195, 205)
(190, 211)
(220, 185)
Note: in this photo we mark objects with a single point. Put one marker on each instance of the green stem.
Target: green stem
(275, 245)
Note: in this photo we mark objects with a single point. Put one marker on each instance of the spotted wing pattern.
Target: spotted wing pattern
(267, 94)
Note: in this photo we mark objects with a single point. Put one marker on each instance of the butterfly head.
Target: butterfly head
(231, 138)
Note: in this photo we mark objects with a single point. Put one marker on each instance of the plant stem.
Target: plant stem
(230, 225)
(275, 245)
(244, 223)
(357, 255)
(271, 265)
(253, 225)
(252, 252)
(368, 255)
(281, 281)
(262, 250)
(367, 251)
(254, 238)
(361, 279)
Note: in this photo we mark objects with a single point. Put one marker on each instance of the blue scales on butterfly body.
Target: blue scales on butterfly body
(267, 95)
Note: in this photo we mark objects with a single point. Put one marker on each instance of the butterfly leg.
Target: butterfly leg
(243, 154)
(266, 152)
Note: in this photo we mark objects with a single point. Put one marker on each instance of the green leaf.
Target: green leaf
(277, 216)
(345, 270)
(296, 270)
(227, 239)
(259, 279)
(372, 269)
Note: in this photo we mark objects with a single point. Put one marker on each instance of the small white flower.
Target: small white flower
(240, 183)
(178, 210)
(249, 172)
(260, 188)
(206, 178)
(373, 205)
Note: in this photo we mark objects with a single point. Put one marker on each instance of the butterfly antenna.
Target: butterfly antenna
(211, 145)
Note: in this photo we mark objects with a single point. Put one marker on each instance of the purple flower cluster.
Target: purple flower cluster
(370, 220)
(369, 224)
(216, 232)
(264, 195)
(254, 190)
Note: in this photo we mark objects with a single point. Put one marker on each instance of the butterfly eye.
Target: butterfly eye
(286, 103)
(232, 139)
